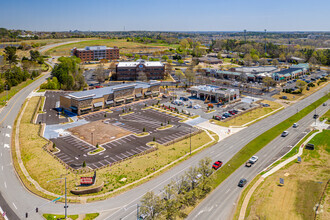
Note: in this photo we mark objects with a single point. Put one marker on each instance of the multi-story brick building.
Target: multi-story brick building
(154, 70)
(96, 53)
(92, 100)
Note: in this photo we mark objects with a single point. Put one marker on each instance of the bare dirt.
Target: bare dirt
(99, 131)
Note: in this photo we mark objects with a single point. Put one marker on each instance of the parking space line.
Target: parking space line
(134, 151)
(113, 159)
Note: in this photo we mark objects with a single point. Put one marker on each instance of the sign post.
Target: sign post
(281, 181)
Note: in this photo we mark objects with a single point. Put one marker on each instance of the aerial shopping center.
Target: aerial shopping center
(93, 100)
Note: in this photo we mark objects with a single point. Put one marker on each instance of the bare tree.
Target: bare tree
(190, 75)
(151, 205)
(100, 73)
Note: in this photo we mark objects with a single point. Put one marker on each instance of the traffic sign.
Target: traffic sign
(299, 159)
(281, 181)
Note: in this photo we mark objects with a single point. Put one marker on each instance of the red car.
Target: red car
(217, 165)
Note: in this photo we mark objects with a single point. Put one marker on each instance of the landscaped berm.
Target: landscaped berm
(42, 166)
(304, 185)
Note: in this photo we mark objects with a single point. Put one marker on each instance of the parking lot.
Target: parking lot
(74, 151)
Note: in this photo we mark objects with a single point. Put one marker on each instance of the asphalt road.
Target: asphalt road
(124, 205)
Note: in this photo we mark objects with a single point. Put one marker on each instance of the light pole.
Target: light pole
(65, 206)
(92, 137)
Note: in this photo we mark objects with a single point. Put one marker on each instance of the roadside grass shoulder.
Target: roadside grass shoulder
(262, 140)
(247, 117)
(91, 216)
(305, 183)
(326, 117)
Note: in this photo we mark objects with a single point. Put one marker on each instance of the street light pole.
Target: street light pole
(65, 194)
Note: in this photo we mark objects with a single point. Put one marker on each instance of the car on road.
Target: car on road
(315, 116)
(295, 125)
(164, 96)
(285, 133)
(253, 159)
(242, 182)
(325, 104)
(217, 164)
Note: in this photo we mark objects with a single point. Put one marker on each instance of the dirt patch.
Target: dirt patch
(98, 132)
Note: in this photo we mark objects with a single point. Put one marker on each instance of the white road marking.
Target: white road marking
(6, 146)
(1, 167)
(14, 205)
(9, 126)
(7, 135)
(5, 185)
(76, 158)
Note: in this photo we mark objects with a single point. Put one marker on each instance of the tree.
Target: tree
(168, 69)
(151, 205)
(34, 54)
(248, 60)
(170, 203)
(275, 62)
(263, 62)
(165, 57)
(255, 57)
(243, 77)
(219, 56)
(179, 74)
(10, 54)
(282, 57)
(190, 75)
(301, 84)
(100, 73)
(184, 44)
(268, 82)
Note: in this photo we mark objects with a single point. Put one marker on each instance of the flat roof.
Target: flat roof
(212, 88)
(256, 69)
(100, 92)
(136, 63)
(94, 48)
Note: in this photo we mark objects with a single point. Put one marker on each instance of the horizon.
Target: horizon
(170, 16)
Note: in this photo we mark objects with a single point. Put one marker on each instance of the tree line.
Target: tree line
(66, 75)
(179, 194)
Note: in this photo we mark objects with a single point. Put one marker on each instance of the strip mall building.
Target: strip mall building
(93, 100)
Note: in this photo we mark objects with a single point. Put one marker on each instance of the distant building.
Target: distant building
(93, 100)
(292, 72)
(214, 93)
(96, 53)
(210, 60)
(152, 70)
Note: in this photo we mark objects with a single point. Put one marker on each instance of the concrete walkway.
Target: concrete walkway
(278, 167)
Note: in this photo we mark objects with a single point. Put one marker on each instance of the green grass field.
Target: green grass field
(124, 46)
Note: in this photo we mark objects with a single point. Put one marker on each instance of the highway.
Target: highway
(123, 206)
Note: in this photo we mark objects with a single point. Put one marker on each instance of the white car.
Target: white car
(285, 133)
(253, 159)
(196, 106)
(295, 125)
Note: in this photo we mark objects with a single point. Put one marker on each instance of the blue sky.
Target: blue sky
(166, 15)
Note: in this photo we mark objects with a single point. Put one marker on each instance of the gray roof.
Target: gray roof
(100, 92)
(255, 69)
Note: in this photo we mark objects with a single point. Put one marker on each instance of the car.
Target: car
(315, 116)
(242, 182)
(217, 117)
(285, 133)
(235, 111)
(253, 159)
(232, 113)
(217, 164)
(325, 104)
(248, 164)
(164, 96)
(295, 125)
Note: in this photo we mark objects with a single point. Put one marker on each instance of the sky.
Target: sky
(165, 15)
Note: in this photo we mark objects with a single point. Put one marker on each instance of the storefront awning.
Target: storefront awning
(86, 108)
(109, 102)
(155, 92)
(74, 108)
(131, 97)
(147, 93)
(138, 95)
(98, 104)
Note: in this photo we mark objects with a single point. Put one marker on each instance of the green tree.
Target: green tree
(268, 82)
(10, 54)
(151, 205)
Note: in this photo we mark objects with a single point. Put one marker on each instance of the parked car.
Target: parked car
(184, 98)
(231, 112)
(285, 133)
(242, 182)
(235, 111)
(295, 125)
(164, 96)
(324, 104)
(217, 117)
(315, 116)
(217, 164)
(253, 159)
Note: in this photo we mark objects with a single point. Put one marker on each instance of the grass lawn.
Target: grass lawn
(91, 216)
(52, 216)
(303, 186)
(326, 116)
(244, 118)
(43, 167)
(124, 46)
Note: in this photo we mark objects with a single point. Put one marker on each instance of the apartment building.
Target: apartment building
(96, 53)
